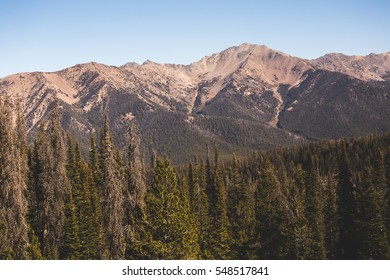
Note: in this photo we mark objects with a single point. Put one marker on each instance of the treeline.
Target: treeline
(325, 200)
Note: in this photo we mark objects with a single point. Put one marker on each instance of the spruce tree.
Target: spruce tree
(200, 207)
(13, 201)
(347, 208)
(240, 213)
(99, 248)
(6, 252)
(219, 234)
(372, 230)
(33, 249)
(51, 185)
(298, 226)
(330, 217)
(135, 198)
(71, 245)
(271, 216)
(111, 188)
(314, 212)
(136, 187)
(169, 220)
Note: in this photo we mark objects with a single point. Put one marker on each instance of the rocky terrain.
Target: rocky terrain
(241, 99)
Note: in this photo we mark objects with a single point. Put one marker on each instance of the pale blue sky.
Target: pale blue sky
(51, 35)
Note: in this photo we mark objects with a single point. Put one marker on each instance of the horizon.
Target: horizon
(45, 37)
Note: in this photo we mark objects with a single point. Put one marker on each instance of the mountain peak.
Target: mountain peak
(369, 67)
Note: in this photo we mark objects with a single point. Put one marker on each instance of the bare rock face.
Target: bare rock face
(243, 98)
(370, 67)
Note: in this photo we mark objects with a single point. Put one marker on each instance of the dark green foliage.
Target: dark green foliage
(219, 235)
(271, 215)
(373, 239)
(298, 226)
(347, 208)
(241, 213)
(314, 212)
(328, 199)
(200, 206)
(72, 247)
(170, 222)
(330, 217)
(33, 249)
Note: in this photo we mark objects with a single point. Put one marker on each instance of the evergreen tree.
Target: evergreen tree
(168, 217)
(347, 208)
(380, 182)
(135, 199)
(6, 252)
(33, 249)
(387, 196)
(271, 217)
(111, 187)
(300, 232)
(13, 201)
(240, 213)
(52, 186)
(330, 218)
(218, 214)
(314, 212)
(98, 243)
(136, 187)
(372, 231)
(71, 245)
(200, 207)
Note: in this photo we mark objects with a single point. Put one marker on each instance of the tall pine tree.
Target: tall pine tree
(347, 208)
(168, 217)
(111, 188)
(13, 201)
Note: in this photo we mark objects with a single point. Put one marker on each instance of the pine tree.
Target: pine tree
(240, 213)
(271, 217)
(387, 196)
(136, 187)
(330, 218)
(300, 232)
(71, 245)
(6, 252)
(200, 206)
(380, 182)
(314, 212)
(33, 249)
(98, 243)
(135, 199)
(372, 231)
(51, 185)
(13, 201)
(169, 220)
(218, 214)
(111, 187)
(347, 209)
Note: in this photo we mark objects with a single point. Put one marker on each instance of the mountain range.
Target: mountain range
(241, 99)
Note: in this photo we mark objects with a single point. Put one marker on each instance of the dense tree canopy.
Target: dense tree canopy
(323, 200)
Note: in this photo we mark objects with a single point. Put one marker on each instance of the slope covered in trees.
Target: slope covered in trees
(324, 200)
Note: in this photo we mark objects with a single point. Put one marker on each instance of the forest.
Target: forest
(327, 199)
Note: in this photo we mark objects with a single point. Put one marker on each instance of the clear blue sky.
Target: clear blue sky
(51, 35)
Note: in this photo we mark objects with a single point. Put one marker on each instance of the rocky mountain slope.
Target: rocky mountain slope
(243, 98)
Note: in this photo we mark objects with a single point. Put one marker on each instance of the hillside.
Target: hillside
(241, 99)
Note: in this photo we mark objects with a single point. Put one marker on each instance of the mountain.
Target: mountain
(243, 98)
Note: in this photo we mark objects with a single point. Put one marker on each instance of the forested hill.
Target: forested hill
(324, 200)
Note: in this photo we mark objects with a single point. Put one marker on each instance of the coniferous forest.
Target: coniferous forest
(323, 200)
